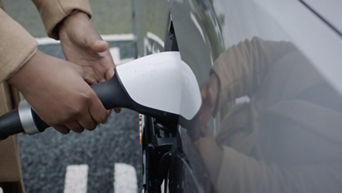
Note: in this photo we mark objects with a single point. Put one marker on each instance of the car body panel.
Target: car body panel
(279, 66)
(328, 10)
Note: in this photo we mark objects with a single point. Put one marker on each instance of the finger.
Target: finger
(99, 46)
(211, 98)
(117, 110)
(109, 73)
(204, 91)
(75, 126)
(110, 65)
(98, 111)
(61, 129)
(87, 122)
(90, 38)
(78, 68)
(90, 79)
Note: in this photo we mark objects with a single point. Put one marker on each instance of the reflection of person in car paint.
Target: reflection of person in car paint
(287, 138)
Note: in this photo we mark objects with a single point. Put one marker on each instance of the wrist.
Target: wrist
(18, 80)
(76, 16)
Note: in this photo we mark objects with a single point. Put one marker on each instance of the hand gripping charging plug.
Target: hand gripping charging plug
(160, 85)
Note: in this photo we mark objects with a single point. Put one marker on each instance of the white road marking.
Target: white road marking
(1, 191)
(108, 37)
(125, 178)
(76, 178)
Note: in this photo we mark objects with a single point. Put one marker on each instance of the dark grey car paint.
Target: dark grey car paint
(205, 29)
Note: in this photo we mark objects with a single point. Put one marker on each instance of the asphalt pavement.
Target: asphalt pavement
(45, 156)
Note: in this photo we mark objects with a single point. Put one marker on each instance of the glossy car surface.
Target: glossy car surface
(270, 77)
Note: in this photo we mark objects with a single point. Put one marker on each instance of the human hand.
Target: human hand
(56, 91)
(209, 93)
(82, 45)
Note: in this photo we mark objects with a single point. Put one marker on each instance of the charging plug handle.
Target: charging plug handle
(25, 119)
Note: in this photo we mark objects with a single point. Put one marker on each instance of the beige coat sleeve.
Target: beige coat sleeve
(53, 12)
(16, 46)
(242, 67)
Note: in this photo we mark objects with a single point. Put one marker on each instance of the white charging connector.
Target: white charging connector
(162, 81)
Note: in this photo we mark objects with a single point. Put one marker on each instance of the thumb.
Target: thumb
(211, 95)
(204, 91)
(109, 74)
(99, 46)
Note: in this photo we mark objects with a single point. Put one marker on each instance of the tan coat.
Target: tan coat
(17, 46)
(288, 138)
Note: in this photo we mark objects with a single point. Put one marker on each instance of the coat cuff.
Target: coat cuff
(53, 12)
(17, 46)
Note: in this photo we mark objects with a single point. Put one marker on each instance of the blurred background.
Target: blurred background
(109, 16)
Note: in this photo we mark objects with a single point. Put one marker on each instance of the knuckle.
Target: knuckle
(87, 96)
(91, 127)
(61, 119)
(105, 117)
(62, 130)
(101, 118)
(78, 130)
(74, 111)
(89, 124)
